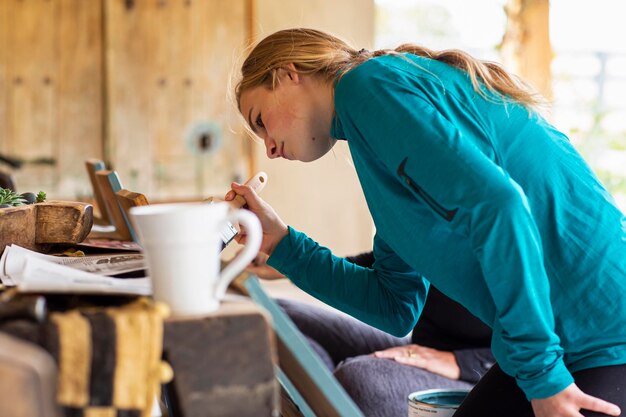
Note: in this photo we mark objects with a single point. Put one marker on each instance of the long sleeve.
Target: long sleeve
(390, 300)
(410, 143)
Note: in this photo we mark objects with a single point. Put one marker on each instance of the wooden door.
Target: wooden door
(124, 81)
(168, 64)
(50, 91)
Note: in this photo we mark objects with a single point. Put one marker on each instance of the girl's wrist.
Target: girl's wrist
(277, 238)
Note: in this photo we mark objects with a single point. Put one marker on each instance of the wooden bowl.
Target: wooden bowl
(39, 226)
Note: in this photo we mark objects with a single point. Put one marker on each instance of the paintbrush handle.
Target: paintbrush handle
(257, 182)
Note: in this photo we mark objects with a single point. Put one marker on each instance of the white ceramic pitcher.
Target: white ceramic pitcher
(182, 244)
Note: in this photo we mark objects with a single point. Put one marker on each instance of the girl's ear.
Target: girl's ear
(289, 73)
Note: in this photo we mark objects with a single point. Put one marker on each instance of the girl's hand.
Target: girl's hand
(433, 360)
(568, 403)
(262, 270)
(274, 229)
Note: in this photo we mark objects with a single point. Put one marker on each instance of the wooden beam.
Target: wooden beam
(525, 48)
(251, 18)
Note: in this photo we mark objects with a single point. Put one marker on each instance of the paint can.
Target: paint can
(435, 402)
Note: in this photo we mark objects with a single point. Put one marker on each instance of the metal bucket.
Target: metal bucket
(435, 402)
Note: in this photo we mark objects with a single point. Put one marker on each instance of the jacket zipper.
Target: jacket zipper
(447, 215)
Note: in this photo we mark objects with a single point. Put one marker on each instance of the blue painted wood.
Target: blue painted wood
(294, 394)
(99, 166)
(116, 185)
(307, 359)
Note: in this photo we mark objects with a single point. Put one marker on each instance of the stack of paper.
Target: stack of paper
(35, 272)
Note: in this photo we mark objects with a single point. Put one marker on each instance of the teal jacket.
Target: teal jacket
(489, 203)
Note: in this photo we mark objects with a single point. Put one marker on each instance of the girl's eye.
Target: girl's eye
(259, 121)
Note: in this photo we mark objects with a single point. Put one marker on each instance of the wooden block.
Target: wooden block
(18, 225)
(93, 166)
(223, 362)
(108, 183)
(128, 199)
(38, 226)
(27, 380)
(63, 222)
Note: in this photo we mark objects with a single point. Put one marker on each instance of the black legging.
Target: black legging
(497, 394)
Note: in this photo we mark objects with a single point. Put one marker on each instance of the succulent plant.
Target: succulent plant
(41, 197)
(11, 198)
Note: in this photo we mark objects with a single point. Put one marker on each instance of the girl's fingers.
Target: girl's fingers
(596, 404)
(252, 199)
(385, 354)
(230, 195)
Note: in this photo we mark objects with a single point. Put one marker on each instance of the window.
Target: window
(588, 68)
(589, 80)
(476, 27)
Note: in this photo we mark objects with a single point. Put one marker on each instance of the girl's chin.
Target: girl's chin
(309, 158)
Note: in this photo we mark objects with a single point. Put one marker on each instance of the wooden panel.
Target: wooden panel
(31, 73)
(80, 92)
(4, 80)
(130, 69)
(50, 100)
(173, 100)
(228, 22)
(168, 65)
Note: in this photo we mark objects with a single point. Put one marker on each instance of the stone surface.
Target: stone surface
(223, 363)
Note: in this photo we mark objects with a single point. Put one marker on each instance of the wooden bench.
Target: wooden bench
(223, 364)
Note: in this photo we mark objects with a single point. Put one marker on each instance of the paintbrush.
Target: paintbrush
(257, 182)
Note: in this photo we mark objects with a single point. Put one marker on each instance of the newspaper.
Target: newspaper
(31, 271)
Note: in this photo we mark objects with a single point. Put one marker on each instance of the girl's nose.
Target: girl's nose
(271, 148)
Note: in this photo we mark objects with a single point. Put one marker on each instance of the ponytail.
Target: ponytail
(491, 75)
(320, 54)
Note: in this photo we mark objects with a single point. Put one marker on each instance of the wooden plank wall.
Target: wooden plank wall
(168, 65)
(50, 90)
(123, 81)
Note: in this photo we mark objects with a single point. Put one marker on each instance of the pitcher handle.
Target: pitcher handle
(244, 257)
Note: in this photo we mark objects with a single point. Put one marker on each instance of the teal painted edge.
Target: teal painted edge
(293, 340)
(116, 186)
(294, 394)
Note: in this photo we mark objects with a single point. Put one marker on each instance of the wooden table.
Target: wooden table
(223, 365)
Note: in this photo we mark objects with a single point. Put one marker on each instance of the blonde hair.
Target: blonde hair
(317, 53)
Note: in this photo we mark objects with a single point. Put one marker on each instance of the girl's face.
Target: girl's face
(294, 119)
